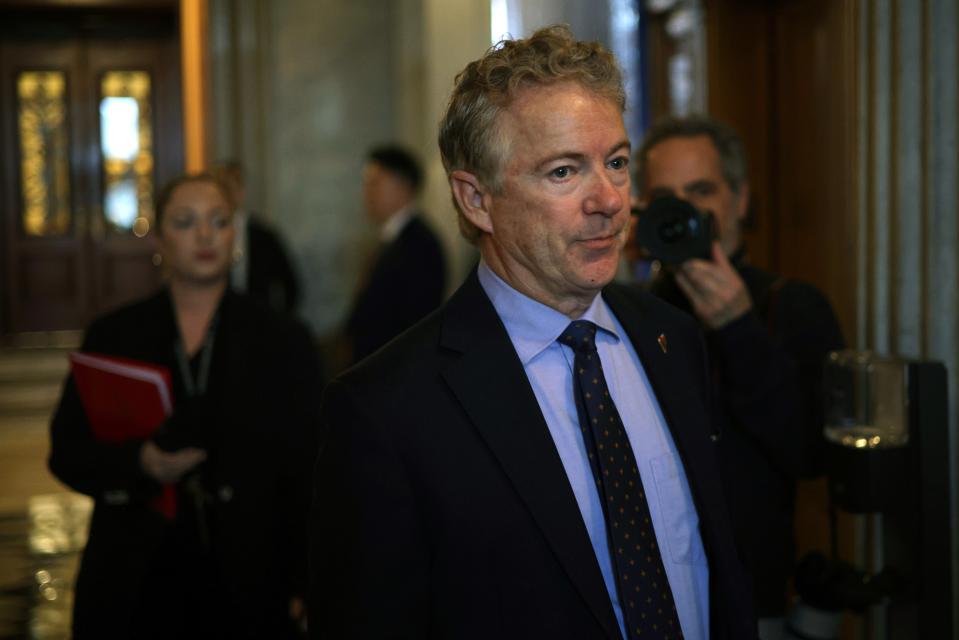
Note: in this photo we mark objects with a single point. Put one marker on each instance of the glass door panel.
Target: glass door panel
(44, 152)
(90, 125)
(126, 144)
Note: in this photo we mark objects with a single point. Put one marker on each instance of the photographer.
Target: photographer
(767, 337)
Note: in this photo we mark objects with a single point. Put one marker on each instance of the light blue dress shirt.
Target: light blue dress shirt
(534, 328)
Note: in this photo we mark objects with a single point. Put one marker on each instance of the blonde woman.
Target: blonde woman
(237, 448)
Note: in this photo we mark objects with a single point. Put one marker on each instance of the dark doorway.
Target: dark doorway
(90, 128)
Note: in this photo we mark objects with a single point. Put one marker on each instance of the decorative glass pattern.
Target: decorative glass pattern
(126, 141)
(44, 152)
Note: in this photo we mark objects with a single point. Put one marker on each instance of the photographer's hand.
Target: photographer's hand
(717, 293)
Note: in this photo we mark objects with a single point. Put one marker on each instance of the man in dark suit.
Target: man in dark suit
(408, 275)
(767, 338)
(535, 459)
(261, 266)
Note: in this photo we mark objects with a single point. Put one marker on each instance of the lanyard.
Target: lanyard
(197, 387)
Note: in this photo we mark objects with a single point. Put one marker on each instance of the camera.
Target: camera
(672, 230)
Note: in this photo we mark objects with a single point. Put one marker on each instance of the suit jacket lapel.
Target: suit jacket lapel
(488, 379)
(674, 384)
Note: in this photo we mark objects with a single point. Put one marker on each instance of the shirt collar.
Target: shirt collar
(531, 325)
(395, 223)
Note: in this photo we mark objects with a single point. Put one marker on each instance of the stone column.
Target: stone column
(301, 90)
(908, 208)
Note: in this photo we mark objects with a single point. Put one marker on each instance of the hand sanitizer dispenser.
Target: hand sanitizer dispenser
(867, 400)
(887, 455)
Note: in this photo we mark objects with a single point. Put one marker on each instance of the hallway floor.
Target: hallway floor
(42, 524)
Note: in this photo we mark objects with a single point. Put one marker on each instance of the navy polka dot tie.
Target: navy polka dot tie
(644, 593)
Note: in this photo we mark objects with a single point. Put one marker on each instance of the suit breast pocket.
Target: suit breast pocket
(678, 512)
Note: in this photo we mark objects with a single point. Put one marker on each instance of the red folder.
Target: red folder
(125, 399)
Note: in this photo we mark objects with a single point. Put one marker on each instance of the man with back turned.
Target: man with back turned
(408, 276)
(534, 459)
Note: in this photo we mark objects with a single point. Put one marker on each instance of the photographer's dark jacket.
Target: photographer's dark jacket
(767, 373)
(235, 565)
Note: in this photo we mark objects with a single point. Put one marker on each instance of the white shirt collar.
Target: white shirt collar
(532, 325)
(395, 224)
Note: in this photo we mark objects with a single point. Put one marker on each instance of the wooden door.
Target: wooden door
(90, 128)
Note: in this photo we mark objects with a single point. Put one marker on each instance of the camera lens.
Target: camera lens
(673, 230)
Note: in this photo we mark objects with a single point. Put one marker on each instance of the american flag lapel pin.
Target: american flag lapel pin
(662, 341)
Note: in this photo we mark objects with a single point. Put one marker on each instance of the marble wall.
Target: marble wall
(332, 93)
(301, 89)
